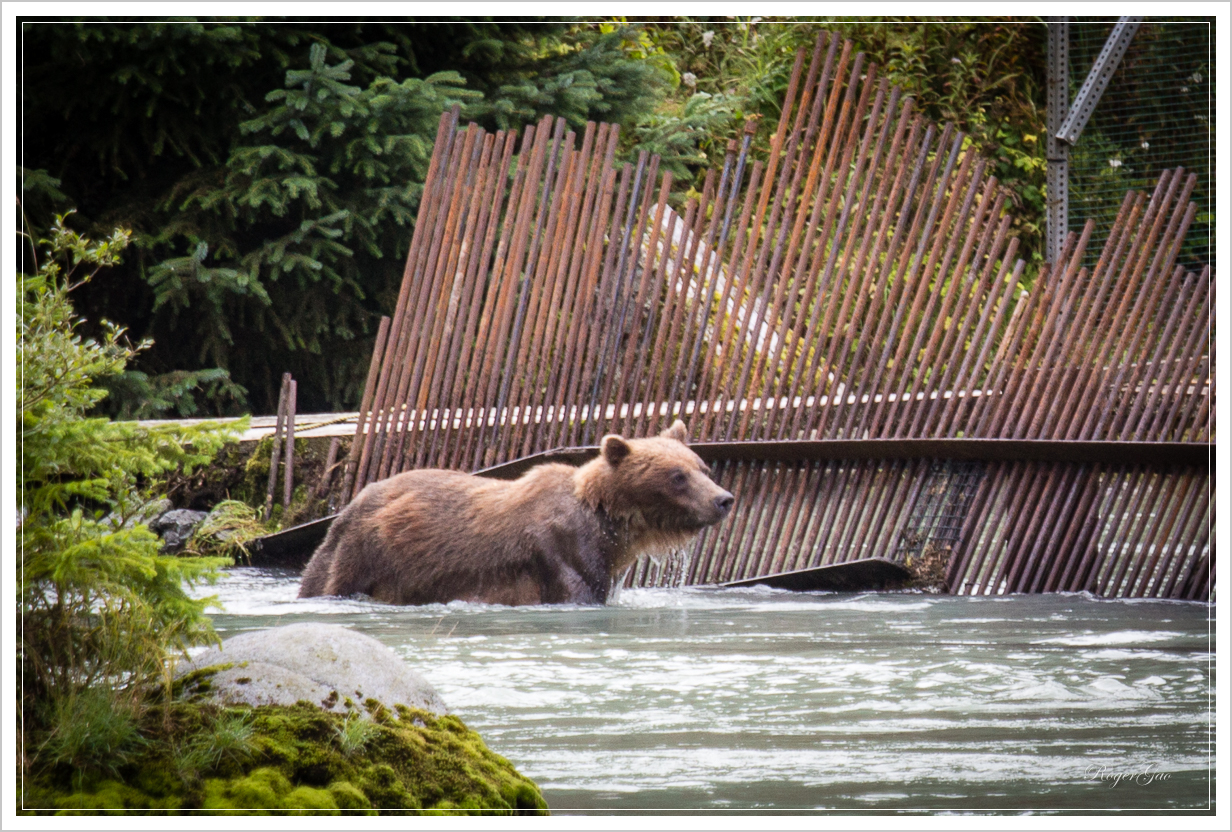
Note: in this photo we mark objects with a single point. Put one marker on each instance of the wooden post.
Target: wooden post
(322, 486)
(273, 473)
(289, 477)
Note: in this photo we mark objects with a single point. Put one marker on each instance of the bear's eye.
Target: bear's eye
(680, 479)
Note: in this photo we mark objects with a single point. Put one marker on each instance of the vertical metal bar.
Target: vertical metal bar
(1150, 543)
(918, 238)
(583, 322)
(1060, 416)
(1057, 216)
(967, 554)
(506, 422)
(723, 343)
(630, 375)
(850, 113)
(372, 423)
(365, 406)
(404, 408)
(967, 382)
(615, 384)
(881, 423)
(1147, 242)
(790, 222)
(604, 309)
(1073, 522)
(1199, 341)
(507, 275)
(891, 284)
(861, 323)
(675, 300)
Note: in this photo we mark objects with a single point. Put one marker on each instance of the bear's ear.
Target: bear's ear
(677, 431)
(615, 448)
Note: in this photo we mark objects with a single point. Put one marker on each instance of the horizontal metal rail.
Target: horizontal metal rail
(988, 450)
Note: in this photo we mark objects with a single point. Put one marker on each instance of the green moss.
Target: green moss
(255, 480)
(310, 455)
(349, 798)
(266, 790)
(109, 797)
(296, 759)
(199, 681)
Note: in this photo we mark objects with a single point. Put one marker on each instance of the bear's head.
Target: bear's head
(659, 487)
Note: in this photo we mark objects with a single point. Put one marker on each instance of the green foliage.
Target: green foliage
(137, 395)
(100, 605)
(199, 757)
(90, 730)
(354, 735)
(225, 741)
(327, 171)
(226, 532)
(591, 73)
(678, 136)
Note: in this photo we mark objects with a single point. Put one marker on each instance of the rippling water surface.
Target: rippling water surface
(766, 700)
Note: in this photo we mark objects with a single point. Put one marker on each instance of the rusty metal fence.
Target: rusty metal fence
(858, 283)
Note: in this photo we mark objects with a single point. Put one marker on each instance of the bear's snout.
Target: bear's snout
(724, 503)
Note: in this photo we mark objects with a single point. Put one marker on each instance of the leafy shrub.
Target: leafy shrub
(100, 606)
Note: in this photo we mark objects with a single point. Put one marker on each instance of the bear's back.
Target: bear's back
(434, 536)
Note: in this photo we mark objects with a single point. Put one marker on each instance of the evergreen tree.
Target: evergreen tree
(100, 605)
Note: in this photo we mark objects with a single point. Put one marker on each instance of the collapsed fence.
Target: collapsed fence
(859, 283)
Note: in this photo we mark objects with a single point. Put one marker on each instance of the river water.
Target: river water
(763, 700)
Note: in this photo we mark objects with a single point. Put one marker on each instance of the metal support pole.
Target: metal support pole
(1057, 151)
(1097, 79)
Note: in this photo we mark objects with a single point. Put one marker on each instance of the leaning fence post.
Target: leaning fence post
(289, 474)
(322, 486)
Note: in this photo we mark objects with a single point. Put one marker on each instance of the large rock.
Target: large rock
(325, 664)
(176, 526)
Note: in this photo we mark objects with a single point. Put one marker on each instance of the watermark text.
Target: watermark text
(1115, 776)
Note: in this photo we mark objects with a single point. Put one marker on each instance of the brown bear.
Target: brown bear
(556, 535)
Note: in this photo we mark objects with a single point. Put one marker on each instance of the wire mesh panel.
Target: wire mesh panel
(936, 522)
(1157, 113)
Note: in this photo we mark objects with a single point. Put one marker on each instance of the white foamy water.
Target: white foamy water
(760, 699)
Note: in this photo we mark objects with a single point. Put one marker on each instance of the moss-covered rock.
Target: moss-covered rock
(320, 663)
(295, 759)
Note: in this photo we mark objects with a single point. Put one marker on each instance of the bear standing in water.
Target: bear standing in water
(557, 535)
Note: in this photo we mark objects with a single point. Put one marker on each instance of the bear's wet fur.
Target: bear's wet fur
(556, 535)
